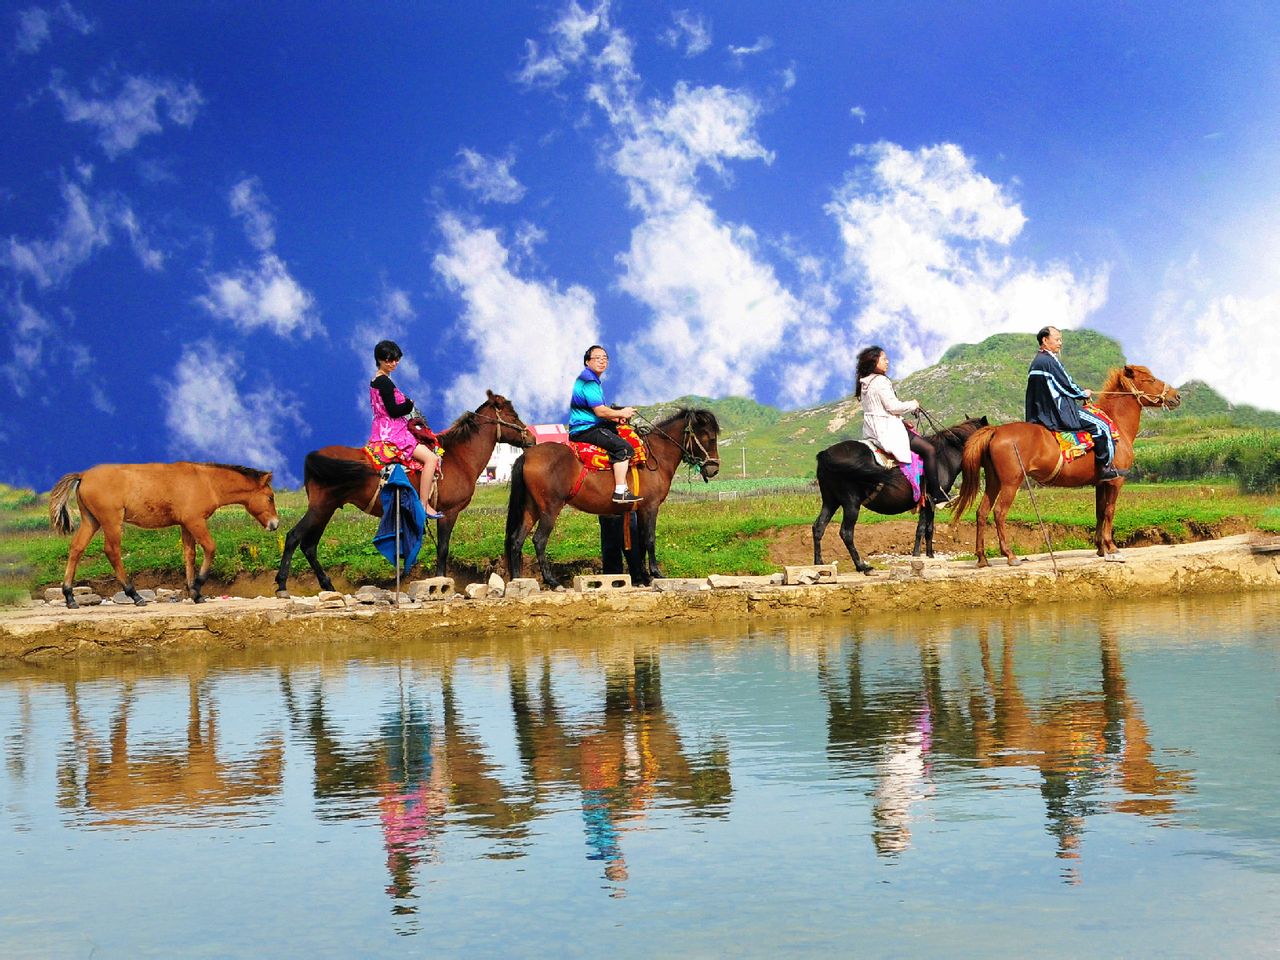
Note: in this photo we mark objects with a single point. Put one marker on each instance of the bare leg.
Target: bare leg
(427, 481)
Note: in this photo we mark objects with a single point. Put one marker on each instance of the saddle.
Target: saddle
(1074, 445)
(597, 458)
(382, 455)
(913, 471)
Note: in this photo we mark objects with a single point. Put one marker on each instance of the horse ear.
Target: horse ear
(490, 393)
(1129, 371)
(266, 480)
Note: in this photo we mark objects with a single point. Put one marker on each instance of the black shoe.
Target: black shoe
(1108, 473)
(626, 497)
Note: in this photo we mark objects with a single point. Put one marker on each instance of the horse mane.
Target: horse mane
(462, 429)
(1112, 382)
(965, 428)
(699, 418)
(250, 472)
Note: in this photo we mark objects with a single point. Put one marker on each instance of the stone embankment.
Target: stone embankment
(431, 609)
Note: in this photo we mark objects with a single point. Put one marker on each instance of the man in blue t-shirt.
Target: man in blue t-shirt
(591, 420)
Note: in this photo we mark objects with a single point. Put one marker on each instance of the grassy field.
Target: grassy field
(722, 527)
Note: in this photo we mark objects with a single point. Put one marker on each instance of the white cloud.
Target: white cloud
(489, 177)
(925, 237)
(265, 294)
(27, 331)
(527, 335)
(210, 419)
(250, 204)
(760, 46)
(566, 45)
(1226, 340)
(689, 29)
(858, 113)
(393, 314)
(148, 255)
(85, 226)
(133, 113)
(35, 25)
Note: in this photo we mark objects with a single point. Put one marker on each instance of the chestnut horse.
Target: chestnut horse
(336, 476)
(1012, 451)
(849, 478)
(153, 495)
(543, 479)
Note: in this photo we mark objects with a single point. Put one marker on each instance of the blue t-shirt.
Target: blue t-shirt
(587, 395)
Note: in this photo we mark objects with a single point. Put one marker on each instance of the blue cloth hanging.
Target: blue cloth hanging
(413, 520)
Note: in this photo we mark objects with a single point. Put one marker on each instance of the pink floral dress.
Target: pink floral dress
(389, 430)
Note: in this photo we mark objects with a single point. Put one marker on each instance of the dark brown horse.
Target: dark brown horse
(1012, 451)
(337, 476)
(153, 495)
(850, 478)
(543, 478)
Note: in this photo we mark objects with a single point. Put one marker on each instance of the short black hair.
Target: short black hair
(592, 349)
(387, 350)
(1043, 335)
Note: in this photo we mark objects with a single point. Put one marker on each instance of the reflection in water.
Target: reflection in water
(121, 785)
(603, 762)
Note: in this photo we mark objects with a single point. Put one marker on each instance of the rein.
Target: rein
(686, 455)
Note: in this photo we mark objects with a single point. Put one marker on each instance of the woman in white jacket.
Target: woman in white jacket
(882, 419)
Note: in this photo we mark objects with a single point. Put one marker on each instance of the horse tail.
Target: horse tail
(334, 473)
(59, 502)
(975, 449)
(515, 508)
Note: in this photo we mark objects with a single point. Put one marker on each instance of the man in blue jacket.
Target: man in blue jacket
(591, 420)
(1051, 402)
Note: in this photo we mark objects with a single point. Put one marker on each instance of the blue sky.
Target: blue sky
(209, 213)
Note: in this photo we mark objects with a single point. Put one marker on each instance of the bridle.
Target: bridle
(689, 439)
(1162, 400)
(499, 423)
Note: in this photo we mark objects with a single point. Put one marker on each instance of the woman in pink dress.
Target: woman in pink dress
(391, 412)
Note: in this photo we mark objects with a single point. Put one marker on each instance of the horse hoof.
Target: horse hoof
(1015, 561)
(72, 605)
(198, 599)
(282, 595)
(139, 602)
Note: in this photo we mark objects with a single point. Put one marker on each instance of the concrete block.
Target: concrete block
(680, 585)
(721, 581)
(523, 587)
(810, 573)
(53, 594)
(599, 582)
(496, 587)
(331, 600)
(433, 588)
(476, 591)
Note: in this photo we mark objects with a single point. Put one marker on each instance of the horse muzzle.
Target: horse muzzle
(272, 523)
(709, 469)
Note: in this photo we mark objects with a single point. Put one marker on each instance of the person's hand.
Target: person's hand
(626, 413)
(1088, 394)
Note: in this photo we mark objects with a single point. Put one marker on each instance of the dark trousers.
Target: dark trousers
(924, 448)
(605, 435)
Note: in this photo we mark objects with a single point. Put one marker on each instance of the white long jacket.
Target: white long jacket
(882, 416)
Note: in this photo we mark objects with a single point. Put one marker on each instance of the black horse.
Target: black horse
(849, 478)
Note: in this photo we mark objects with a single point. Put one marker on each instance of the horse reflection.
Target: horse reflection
(124, 787)
(622, 762)
(1079, 743)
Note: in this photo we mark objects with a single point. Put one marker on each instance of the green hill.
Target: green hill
(972, 379)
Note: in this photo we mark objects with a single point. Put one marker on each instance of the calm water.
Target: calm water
(1063, 783)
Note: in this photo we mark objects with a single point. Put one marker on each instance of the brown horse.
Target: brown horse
(543, 479)
(1014, 450)
(153, 495)
(337, 476)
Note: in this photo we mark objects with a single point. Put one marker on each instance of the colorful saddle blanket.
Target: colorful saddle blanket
(383, 453)
(597, 458)
(1076, 445)
(913, 471)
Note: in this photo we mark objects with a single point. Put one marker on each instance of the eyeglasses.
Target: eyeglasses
(601, 357)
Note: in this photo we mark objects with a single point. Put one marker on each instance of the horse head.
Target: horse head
(699, 434)
(262, 503)
(1149, 391)
(511, 429)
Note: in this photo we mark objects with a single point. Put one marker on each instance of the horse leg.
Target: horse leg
(188, 554)
(112, 529)
(88, 527)
(1106, 495)
(200, 532)
(829, 506)
(1004, 500)
(515, 542)
(924, 530)
(647, 525)
(546, 523)
(989, 491)
(306, 535)
(850, 519)
(444, 531)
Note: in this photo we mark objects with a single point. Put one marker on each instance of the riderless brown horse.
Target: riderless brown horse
(1012, 451)
(543, 480)
(336, 476)
(153, 495)
(849, 478)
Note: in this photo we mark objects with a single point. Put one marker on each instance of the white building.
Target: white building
(498, 469)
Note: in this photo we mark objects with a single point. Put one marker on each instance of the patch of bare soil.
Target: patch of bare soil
(794, 545)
